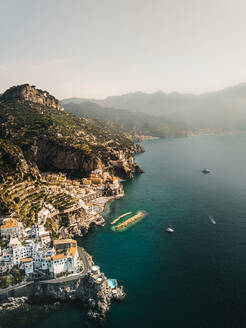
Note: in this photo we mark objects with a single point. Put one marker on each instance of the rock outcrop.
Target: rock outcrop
(51, 156)
(92, 291)
(77, 223)
(26, 92)
(13, 162)
(13, 303)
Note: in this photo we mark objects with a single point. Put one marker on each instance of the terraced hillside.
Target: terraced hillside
(35, 138)
(29, 197)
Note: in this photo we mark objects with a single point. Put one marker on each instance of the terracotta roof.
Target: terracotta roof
(72, 251)
(64, 241)
(10, 223)
(28, 259)
(58, 257)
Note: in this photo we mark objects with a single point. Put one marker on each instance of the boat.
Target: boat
(170, 230)
(205, 171)
(212, 219)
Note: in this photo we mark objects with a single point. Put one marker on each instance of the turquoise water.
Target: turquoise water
(195, 277)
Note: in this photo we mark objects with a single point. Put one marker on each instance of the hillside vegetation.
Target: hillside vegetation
(135, 123)
(55, 140)
(37, 136)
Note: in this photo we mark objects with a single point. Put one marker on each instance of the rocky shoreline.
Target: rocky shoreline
(92, 290)
(56, 178)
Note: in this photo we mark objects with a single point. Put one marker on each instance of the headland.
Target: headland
(57, 173)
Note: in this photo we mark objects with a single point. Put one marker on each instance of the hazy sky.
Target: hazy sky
(96, 48)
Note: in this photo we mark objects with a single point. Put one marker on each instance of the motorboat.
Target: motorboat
(205, 171)
(170, 230)
(212, 219)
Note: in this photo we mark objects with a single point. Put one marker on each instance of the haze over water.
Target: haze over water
(194, 277)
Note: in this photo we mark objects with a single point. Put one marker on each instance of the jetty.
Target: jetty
(120, 217)
(130, 221)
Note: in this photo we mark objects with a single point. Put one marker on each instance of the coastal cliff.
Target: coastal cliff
(56, 141)
(57, 172)
(92, 291)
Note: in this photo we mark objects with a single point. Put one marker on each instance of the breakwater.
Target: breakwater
(130, 221)
(120, 217)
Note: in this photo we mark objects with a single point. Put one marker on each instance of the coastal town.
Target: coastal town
(58, 172)
(33, 249)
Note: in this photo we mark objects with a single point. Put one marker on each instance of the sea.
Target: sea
(193, 277)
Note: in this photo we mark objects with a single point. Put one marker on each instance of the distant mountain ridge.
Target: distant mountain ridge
(218, 110)
(138, 124)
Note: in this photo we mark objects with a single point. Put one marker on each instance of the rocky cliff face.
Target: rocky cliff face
(13, 162)
(77, 223)
(51, 156)
(60, 142)
(26, 92)
(92, 291)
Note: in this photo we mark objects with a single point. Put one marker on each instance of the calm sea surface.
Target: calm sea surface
(195, 277)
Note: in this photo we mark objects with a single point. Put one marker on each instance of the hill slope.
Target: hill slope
(53, 140)
(135, 123)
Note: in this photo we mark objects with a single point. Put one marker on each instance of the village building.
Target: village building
(27, 265)
(64, 244)
(64, 260)
(11, 227)
(30, 249)
(86, 182)
(96, 180)
(39, 233)
(97, 172)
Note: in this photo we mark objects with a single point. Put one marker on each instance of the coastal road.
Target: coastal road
(86, 267)
(9, 289)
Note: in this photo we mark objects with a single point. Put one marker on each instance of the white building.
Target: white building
(40, 234)
(27, 265)
(29, 250)
(44, 213)
(97, 171)
(11, 227)
(64, 262)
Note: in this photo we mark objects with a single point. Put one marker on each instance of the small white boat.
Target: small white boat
(212, 219)
(170, 230)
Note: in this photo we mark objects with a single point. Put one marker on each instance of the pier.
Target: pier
(122, 216)
(131, 220)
